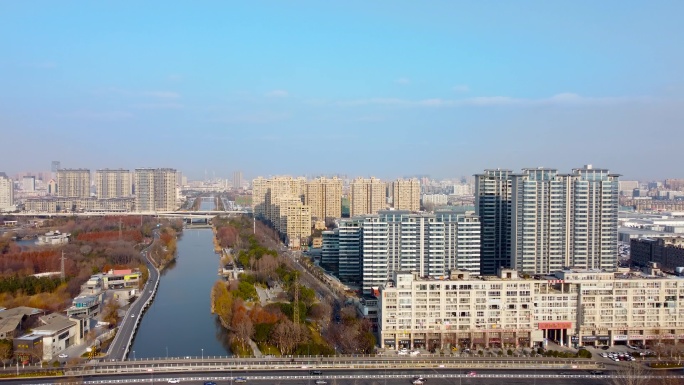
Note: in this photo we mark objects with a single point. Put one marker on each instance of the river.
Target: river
(179, 322)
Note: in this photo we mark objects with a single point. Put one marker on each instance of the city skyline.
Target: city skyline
(303, 88)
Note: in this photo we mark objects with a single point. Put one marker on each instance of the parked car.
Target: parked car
(414, 353)
(402, 353)
(63, 355)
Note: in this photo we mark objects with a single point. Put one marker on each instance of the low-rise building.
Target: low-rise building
(15, 320)
(53, 238)
(121, 279)
(88, 305)
(571, 307)
(56, 333)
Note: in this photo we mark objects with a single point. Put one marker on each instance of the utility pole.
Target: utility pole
(120, 234)
(295, 306)
(61, 267)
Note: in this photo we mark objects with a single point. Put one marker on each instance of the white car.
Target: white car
(63, 355)
(414, 353)
(402, 353)
(173, 380)
(321, 382)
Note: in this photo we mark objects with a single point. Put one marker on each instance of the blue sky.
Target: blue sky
(383, 88)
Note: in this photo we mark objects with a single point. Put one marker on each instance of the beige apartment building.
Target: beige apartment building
(406, 195)
(571, 307)
(367, 196)
(113, 183)
(324, 196)
(73, 183)
(6, 192)
(155, 189)
(280, 201)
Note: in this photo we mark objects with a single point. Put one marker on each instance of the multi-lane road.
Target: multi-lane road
(118, 350)
(362, 377)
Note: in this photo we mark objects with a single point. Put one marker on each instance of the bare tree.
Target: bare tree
(286, 335)
(633, 373)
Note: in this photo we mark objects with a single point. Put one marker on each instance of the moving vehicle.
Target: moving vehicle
(315, 372)
(321, 382)
(63, 355)
(240, 380)
(472, 374)
(596, 372)
(417, 381)
(209, 383)
(173, 380)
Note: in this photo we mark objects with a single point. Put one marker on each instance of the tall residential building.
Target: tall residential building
(73, 183)
(367, 196)
(28, 183)
(52, 187)
(237, 179)
(155, 189)
(6, 192)
(55, 166)
(556, 220)
(406, 195)
(324, 196)
(113, 183)
(493, 206)
(369, 248)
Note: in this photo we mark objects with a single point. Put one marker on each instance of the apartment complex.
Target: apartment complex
(324, 197)
(406, 194)
(155, 189)
(6, 192)
(367, 196)
(279, 200)
(73, 183)
(61, 205)
(493, 206)
(564, 220)
(113, 183)
(572, 307)
(368, 249)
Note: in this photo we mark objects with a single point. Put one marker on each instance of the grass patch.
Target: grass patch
(267, 349)
(34, 374)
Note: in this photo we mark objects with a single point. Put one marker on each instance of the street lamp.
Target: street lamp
(151, 375)
(134, 354)
(202, 354)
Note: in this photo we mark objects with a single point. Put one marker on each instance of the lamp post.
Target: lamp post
(202, 354)
(134, 354)
(167, 352)
(151, 375)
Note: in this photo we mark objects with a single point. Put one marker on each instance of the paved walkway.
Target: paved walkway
(255, 349)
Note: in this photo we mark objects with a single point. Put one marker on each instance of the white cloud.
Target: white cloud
(277, 94)
(163, 94)
(462, 88)
(403, 81)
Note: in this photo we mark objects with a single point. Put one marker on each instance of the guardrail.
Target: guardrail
(171, 367)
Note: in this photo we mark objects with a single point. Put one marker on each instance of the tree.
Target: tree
(286, 335)
(6, 350)
(633, 373)
(242, 326)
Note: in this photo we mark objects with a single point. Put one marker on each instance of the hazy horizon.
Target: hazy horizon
(385, 89)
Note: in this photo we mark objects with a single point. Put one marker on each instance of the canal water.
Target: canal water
(179, 321)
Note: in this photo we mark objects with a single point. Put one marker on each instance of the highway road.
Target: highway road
(360, 377)
(119, 347)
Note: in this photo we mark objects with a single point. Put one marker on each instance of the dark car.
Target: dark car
(604, 347)
(209, 383)
(315, 372)
(596, 372)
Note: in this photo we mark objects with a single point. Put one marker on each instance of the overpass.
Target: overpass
(161, 214)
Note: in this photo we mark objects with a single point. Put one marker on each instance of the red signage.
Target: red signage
(555, 325)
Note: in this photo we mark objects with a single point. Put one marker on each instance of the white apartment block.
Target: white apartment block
(368, 249)
(73, 183)
(113, 183)
(28, 183)
(564, 220)
(324, 197)
(406, 195)
(367, 196)
(435, 199)
(155, 189)
(462, 190)
(6, 192)
(572, 307)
